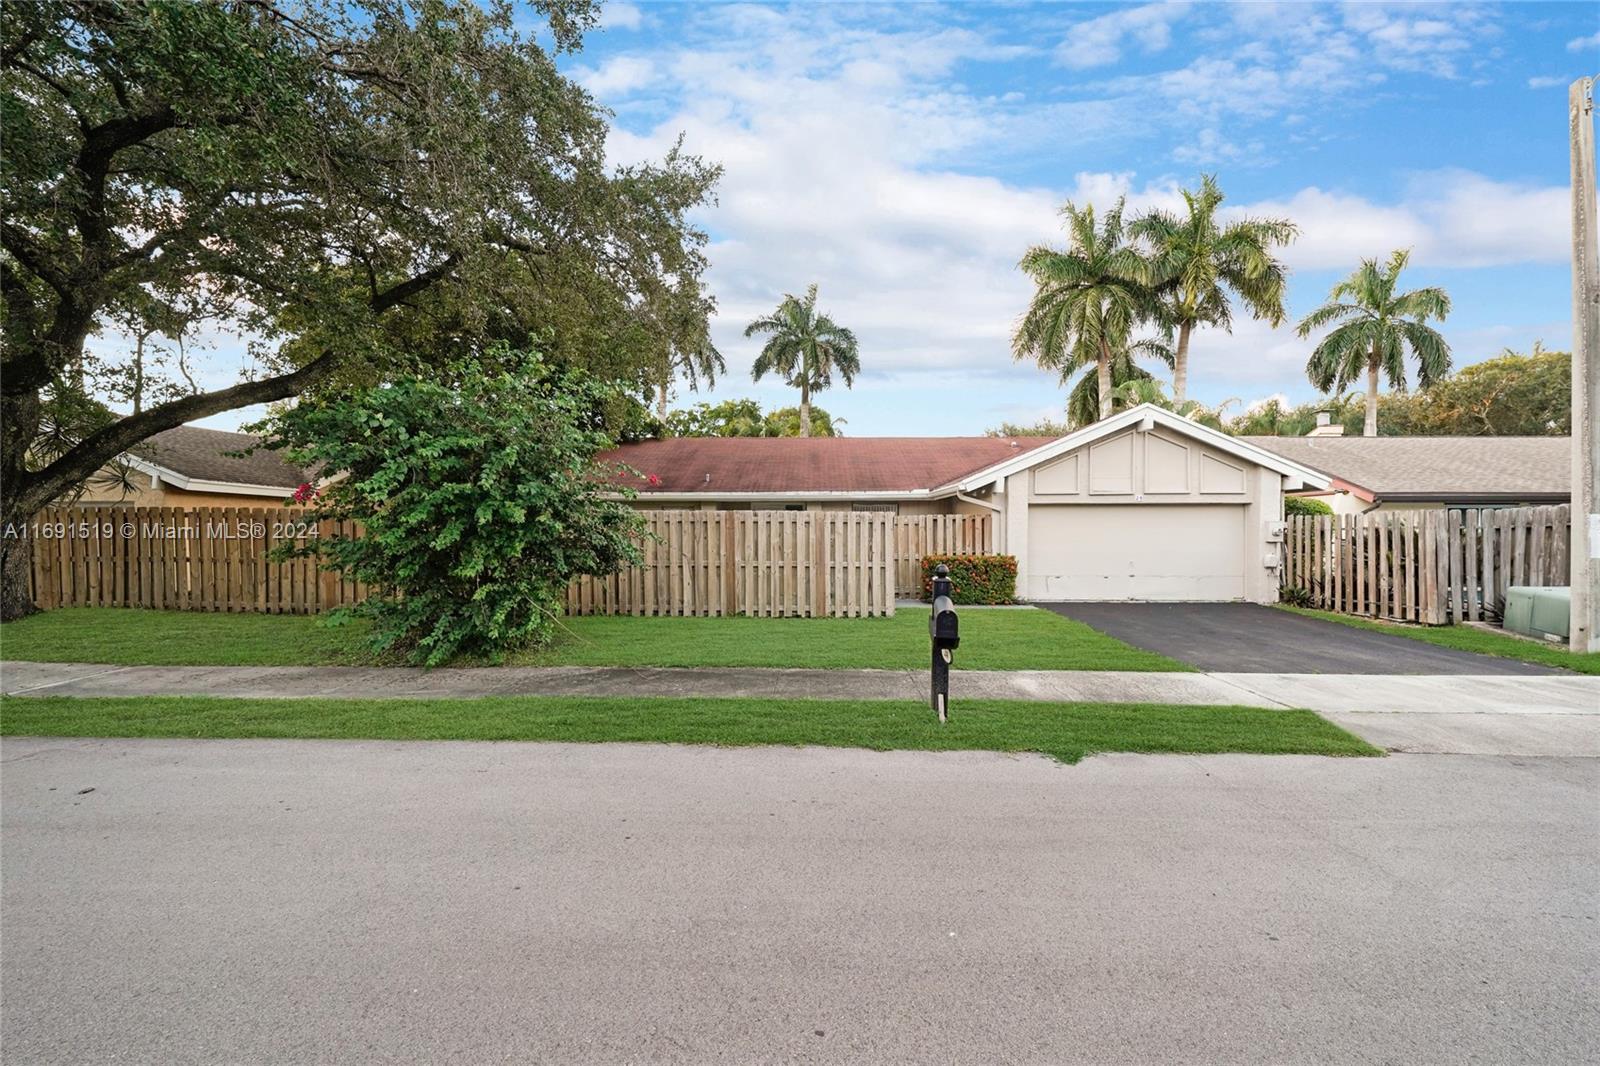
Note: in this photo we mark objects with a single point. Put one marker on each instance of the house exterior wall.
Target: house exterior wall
(1149, 516)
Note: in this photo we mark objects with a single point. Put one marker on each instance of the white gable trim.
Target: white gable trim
(192, 484)
(1148, 416)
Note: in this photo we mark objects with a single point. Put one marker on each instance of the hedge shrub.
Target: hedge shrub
(1293, 505)
(974, 578)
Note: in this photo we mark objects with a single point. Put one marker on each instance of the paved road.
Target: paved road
(291, 901)
(1250, 638)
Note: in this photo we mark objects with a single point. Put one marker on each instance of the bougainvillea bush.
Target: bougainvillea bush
(974, 578)
(480, 498)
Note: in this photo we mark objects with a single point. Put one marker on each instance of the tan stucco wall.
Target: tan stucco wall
(1155, 516)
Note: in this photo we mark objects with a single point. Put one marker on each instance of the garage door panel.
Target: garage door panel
(1135, 552)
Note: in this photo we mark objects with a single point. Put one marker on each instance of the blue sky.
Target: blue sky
(903, 157)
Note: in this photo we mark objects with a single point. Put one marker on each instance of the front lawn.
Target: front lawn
(1471, 638)
(991, 639)
(1065, 731)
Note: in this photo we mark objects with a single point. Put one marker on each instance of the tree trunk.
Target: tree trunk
(1180, 366)
(20, 415)
(805, 411)
(1103, 369)
(661, 401)
(1371, 428)
(16, 561)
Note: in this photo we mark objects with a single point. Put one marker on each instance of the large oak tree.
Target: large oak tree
(356, 188)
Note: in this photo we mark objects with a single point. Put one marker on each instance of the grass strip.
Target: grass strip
(1027, 639)
(1470, 638)
(1065, 731)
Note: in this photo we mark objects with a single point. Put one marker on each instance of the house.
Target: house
(1145, 505)
(1389, 473)
(194, 467)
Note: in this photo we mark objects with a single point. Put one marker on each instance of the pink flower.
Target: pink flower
(305, 493)
(654, 479)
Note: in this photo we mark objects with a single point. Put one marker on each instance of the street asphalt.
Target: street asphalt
(1251, 638)
(321, 901)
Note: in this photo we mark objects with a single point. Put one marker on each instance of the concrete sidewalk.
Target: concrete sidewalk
(1458, 714)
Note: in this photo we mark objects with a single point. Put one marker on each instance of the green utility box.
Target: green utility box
(1539, 611)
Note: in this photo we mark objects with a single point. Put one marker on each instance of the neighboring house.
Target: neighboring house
(1392, 473)
(194, 467)
(1145, 505)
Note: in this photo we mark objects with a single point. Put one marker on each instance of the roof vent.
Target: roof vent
(1014, 444)
(708, 479)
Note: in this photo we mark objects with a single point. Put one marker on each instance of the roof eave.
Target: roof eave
(193, 484)
(1472, 497)
(789, 495)
(1303, 476)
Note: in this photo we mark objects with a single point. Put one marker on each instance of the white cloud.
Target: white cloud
(1416, 38)
(617, 15)
(1546, 82)
(1448, 218)
(1098, 41)
(618, 76)
(1584, 44)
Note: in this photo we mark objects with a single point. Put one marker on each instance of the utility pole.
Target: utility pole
(1585, 629)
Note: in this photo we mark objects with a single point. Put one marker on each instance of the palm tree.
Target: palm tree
(1130, 383)
(1197, 261)
(806, 348)
(694, 361)
(1087, 299)
(1378, 325)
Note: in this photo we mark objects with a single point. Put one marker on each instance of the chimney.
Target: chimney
(1325, 426)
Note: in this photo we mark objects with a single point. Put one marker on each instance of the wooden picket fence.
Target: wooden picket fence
(182, 558)
(936, 534)
(1430, 566)
(762, 563)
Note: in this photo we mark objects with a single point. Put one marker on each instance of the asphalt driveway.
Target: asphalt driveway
(1247, 638)
(321, 901)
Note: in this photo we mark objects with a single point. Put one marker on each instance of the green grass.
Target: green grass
(1027, 639)
(129, 637)
(1471, 638)
(1066, 731)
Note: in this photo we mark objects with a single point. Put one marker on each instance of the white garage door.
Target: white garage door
(1124, 552)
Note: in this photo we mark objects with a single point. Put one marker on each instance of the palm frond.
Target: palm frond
(1328, 312)
(1432, 352)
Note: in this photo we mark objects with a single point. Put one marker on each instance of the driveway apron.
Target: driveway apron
(1247, 638)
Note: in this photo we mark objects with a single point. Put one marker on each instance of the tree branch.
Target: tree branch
(94, 451)
(25, 250)
(99, 448)
(397, 294)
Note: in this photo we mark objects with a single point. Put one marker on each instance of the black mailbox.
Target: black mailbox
(944, 631)
(943, 626)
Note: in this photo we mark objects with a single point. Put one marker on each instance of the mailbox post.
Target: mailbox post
(945, 634)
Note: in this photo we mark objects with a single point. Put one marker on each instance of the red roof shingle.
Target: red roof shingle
(722, 465)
